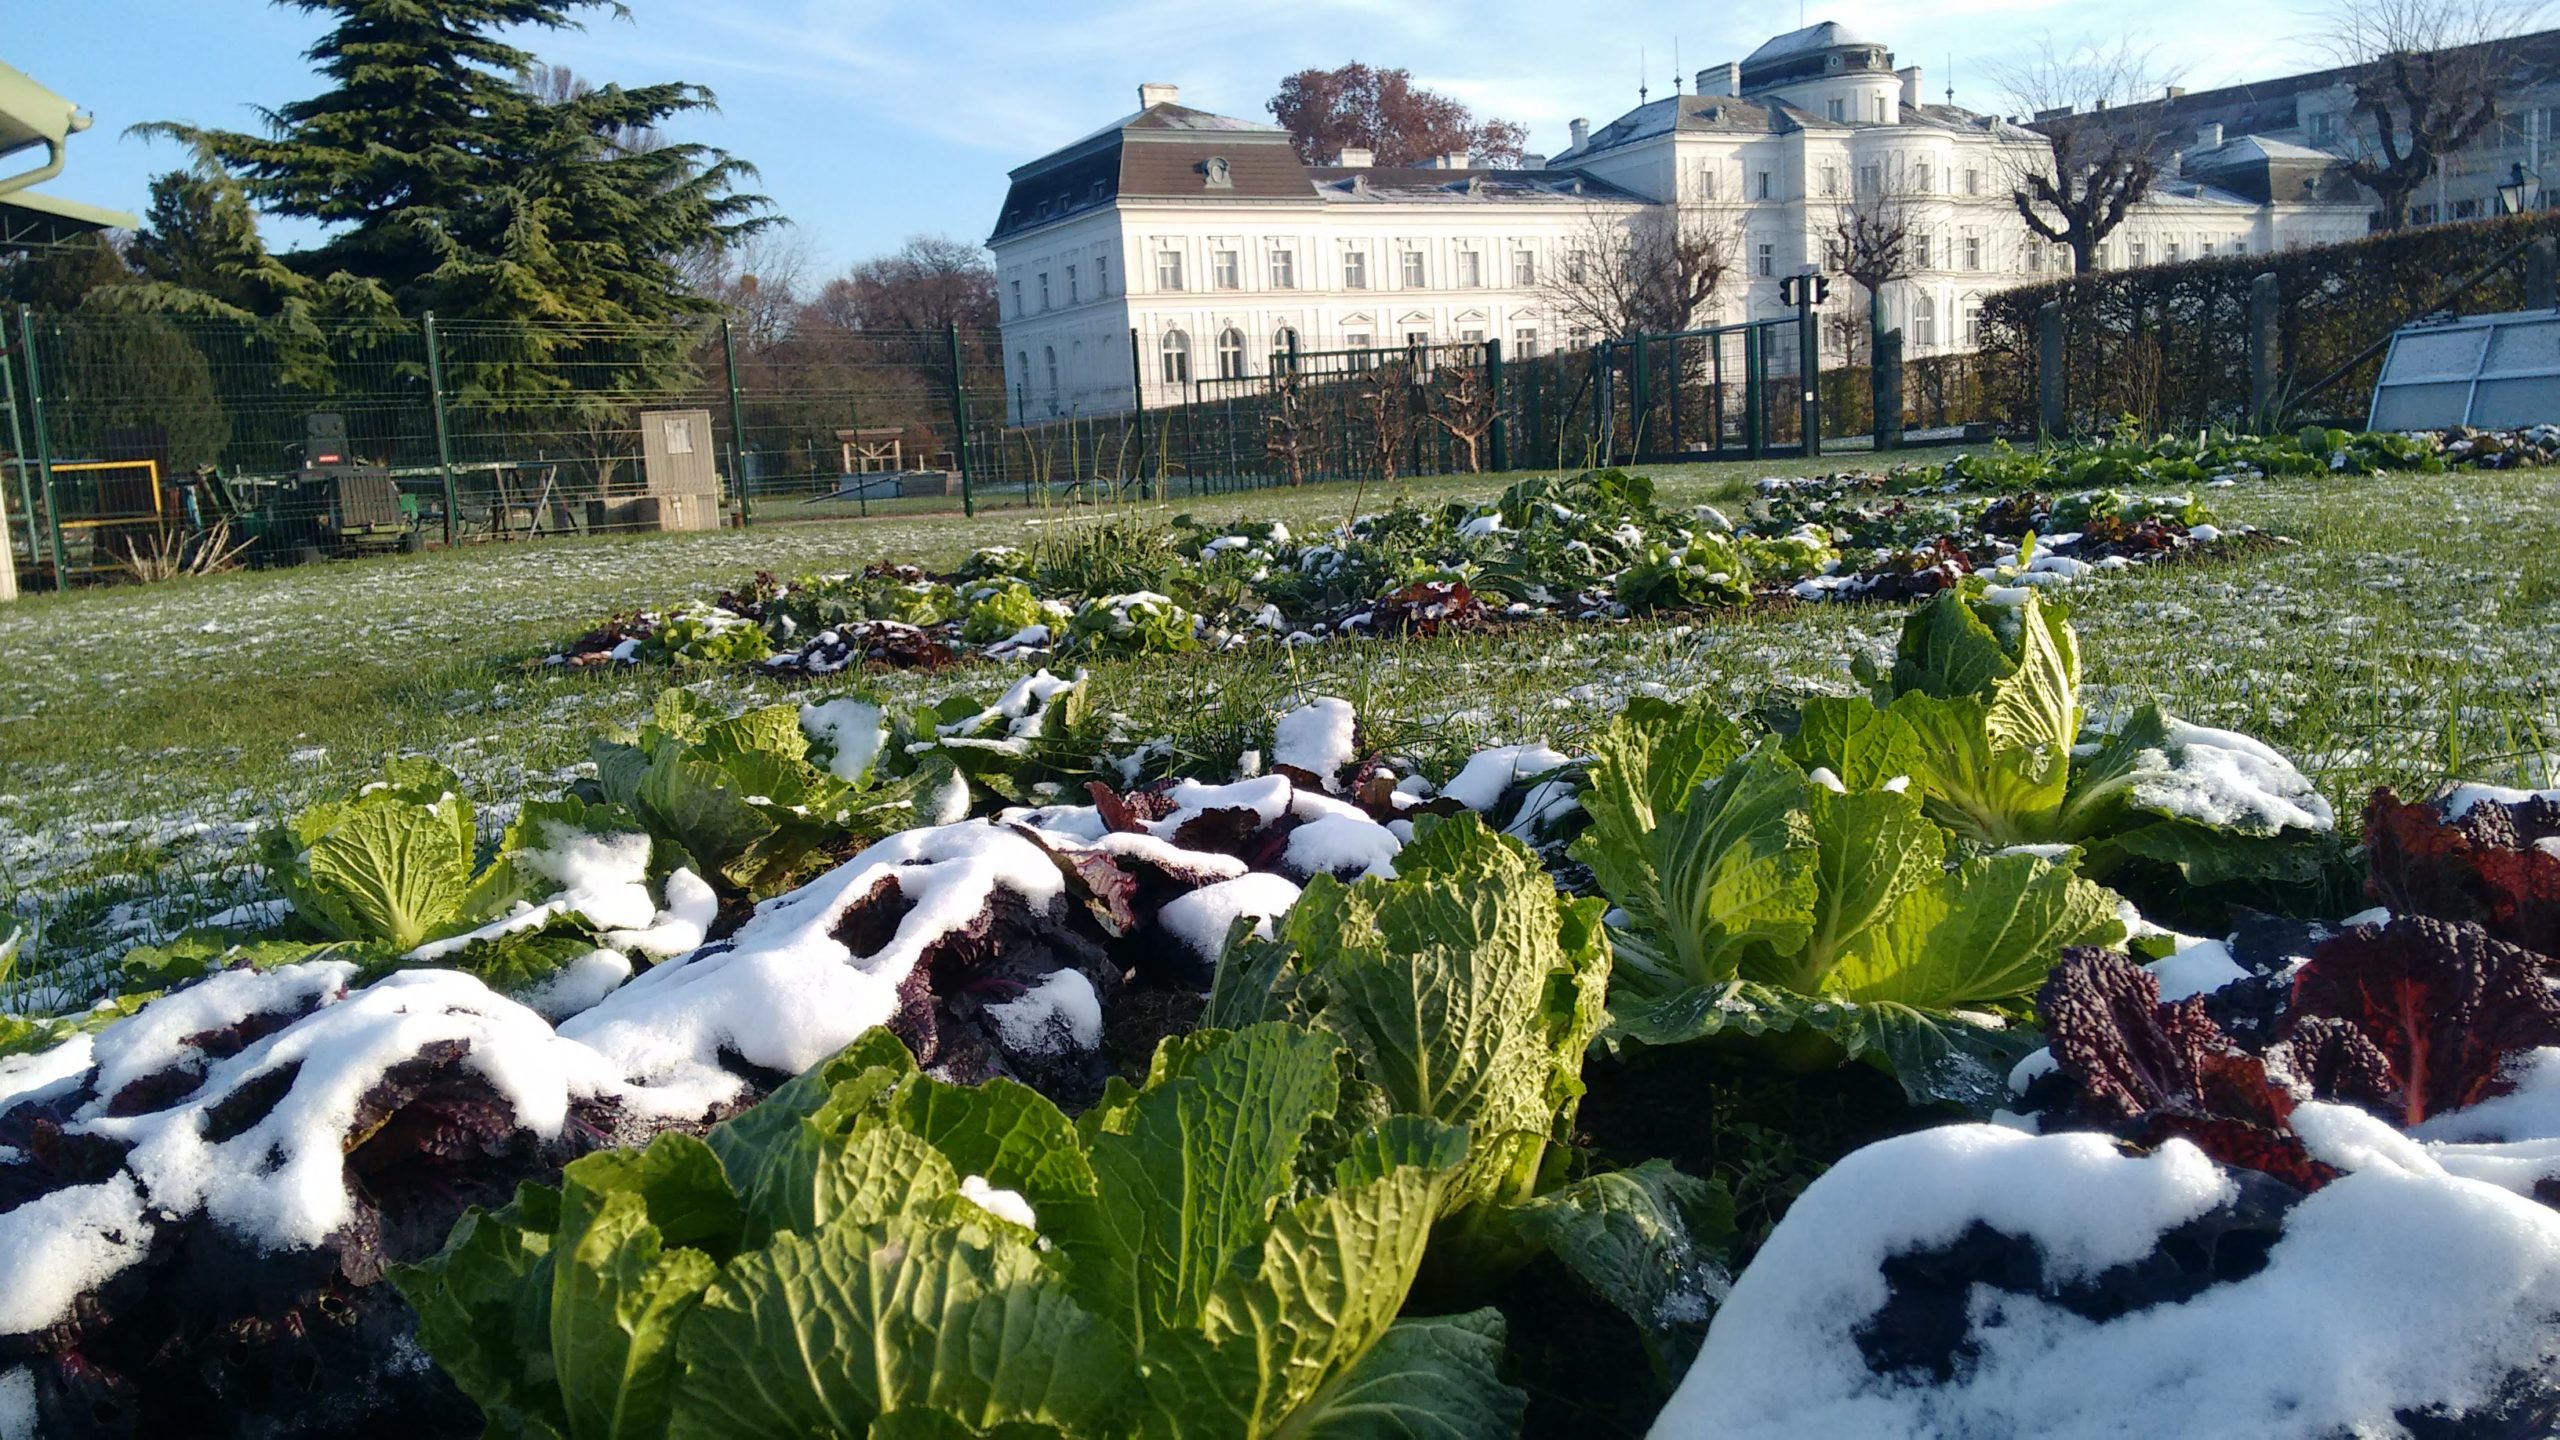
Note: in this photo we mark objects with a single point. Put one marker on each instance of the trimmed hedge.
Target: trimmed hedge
(2168, 344)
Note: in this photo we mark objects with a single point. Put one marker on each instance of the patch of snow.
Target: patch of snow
(1002, 1204)
(255, 915)
(2229, 781)
(784, 992)
(44, 1074)
(691, 907)
(1318, 738)
(1056, 1016)
(1344, 846)
(2458, 801)
(852, 730)
(2389, 1291)
(2197, 968)
(57, 1246)
(18, 1404)
(577, 986)
(1200, 919)
(1488, 773)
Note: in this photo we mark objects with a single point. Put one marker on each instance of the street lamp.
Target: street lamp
(2511, 195)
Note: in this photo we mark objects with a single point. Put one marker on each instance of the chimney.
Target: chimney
(1455, 160)
(1354, 157)
(1909, 75)
(1581, 133)
(1533, 161)
(1724, 79)
(2174, 91)
(2209, 135)
(1158, 93)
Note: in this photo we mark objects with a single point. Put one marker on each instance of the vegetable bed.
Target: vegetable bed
(1931, 1061)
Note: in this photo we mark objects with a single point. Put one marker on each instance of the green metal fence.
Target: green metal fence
(135, 441)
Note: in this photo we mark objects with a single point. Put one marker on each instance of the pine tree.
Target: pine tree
(456, 188)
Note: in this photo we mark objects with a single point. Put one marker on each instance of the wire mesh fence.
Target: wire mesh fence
(157, 443)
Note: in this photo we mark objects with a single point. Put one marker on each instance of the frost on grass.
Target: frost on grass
(2387, 1291)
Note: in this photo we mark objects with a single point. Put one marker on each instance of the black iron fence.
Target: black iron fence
(152, 443)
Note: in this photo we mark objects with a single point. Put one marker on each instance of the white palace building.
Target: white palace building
(1210, 239)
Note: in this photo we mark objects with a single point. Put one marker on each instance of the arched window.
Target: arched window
(1231, 354)
(1177, 358)
(1284, 341)
(1049, 357)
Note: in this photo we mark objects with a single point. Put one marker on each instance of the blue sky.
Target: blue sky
(875, 119)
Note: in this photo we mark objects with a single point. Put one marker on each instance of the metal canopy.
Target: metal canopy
(28, 220)
(2494, 372)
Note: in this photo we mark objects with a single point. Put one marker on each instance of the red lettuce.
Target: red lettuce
(2492, 867)
(2151, 1071)
(2417, 1017)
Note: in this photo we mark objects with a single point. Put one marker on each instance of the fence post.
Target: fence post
(960, 421)
(17, 451)
(1493, 404)
(44, 447)
(1638, 401)
(2266, 300)
(2542, 274)
(737, 425)
(1755, 364)
(2049, 391)
(1138, 400)
(1604, 404)
(1808, 366)
(1887, 378)
(444, 442)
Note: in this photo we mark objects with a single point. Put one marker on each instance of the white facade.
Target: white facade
(1207, 238)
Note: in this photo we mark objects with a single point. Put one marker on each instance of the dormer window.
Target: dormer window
(1215, 170)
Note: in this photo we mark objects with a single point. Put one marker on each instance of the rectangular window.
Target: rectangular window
(1973, 329)
(1920, 178)
(1973, 252)
(1920, 257)
(1706, 179)
(1168, 269)
(2466, 209)
(1470, 270)
(1356, 340)
(1417, 339)
(2205, 251)
(2422, 214)
(1284, 270)
(1524, 268)
(1767, 261)
(2324, 128)
(1226, 270)
(1355, 269)
(2035, 256)
(1101, 274)
(1017, 298)
(2239, 247)
(1838, 111)
(1973, 182)
(1524, 344)
(1471, 337)
(2137, 252)
(1763, 184)
(1413, 269)
(1870, 179)
(1577, 265)
(1879, 116)
(1071, 284)
(1044, 289)
(2170, 252)
(1830, 179)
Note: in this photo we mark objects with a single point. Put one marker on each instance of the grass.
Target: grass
(145, 733)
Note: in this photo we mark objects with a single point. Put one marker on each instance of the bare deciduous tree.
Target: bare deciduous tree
(2104, 145)
(1871, 244)
(1456, 401)
(2425, 77)
(1647, 275)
